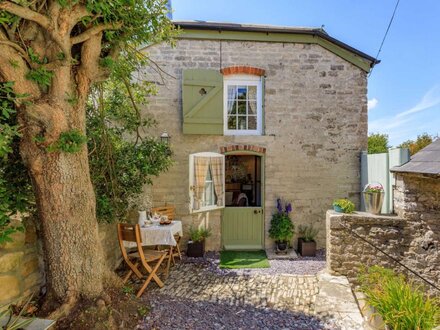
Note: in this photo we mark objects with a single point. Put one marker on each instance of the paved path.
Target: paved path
(198, 297)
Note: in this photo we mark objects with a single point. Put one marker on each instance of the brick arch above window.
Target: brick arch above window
(242, 147)
(243, 69)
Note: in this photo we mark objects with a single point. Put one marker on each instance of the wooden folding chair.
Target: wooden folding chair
(170, 212)
(131, 233)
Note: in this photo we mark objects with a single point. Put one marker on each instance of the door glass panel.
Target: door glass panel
(243, 181)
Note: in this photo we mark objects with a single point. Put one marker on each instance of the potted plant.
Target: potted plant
(281, 227)
(373, 197)
(343, 205)
(306, 241)
(196, 243)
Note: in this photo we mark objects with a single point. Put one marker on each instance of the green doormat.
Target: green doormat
(243, 259)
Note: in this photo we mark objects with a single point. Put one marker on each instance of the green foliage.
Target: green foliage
(41, 76)
(421, 142)
(122, 157)
(128, 289)
(346, 205)
(377, 143)
(15, 190)
(401, 303)
(15, 322)
(281, 227)
(307, 233)
(69, 142)
(199, 234)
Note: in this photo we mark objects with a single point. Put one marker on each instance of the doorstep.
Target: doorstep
(272, 255)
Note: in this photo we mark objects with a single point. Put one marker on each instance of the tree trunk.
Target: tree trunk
(66, 207)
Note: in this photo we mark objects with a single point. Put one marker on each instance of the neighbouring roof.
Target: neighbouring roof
(271, 33)
(426, 161)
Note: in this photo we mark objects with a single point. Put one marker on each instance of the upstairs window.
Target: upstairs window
(242, 105)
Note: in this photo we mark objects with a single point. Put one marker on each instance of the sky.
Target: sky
(403, 90)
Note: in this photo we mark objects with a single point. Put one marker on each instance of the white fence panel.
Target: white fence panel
(376, 168)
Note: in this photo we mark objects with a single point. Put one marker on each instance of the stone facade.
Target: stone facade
(348, 254)
(315, 125)
(21, 268)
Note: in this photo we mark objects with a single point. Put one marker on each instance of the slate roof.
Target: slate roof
(426, 161)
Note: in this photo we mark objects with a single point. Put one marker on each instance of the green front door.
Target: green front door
(243, 228)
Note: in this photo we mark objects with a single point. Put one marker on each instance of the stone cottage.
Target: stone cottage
(256, 113)
(417, 200)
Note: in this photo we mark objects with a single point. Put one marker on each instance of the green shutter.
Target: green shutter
(202, 99)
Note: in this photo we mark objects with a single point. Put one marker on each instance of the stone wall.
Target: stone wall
(315, 126)
(21, 268)
(347, 254)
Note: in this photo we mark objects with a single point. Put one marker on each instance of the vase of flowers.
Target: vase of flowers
(281, 227)
(373, 197)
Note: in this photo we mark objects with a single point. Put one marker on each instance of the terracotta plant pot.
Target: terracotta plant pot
(306, 249)
(195, 249)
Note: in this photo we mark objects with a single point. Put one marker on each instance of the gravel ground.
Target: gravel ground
(169, 313)
(300, 266)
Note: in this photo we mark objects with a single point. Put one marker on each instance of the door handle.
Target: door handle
(258, 211)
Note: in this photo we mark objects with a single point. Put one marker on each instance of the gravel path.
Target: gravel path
(200, 295)
(300, 266)
(170, 313)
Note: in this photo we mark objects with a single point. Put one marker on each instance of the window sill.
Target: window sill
(207, 209)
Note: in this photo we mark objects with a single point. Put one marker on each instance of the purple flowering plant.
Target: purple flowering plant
(281, 226)
(287, 209)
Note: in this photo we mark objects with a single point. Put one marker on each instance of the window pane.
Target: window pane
(232, 92)
(242, 91)
(252, 122)
(232, 107)
(252, 92)
(232, 122)
(252, 108)
(209, 198)
(242, 122)
(241, 107)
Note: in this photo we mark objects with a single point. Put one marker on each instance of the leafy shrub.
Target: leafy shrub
(346, 205)
(281, 226)
(199, 234)
(69, 142)
(401, 303)
(307, 233)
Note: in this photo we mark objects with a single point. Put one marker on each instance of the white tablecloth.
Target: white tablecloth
(159, 235)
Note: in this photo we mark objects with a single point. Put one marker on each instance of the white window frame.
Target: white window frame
(192, 183)
(244, 80)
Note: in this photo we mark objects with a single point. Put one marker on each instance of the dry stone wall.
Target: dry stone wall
(22, 266)
(400, 237)
(315, 126)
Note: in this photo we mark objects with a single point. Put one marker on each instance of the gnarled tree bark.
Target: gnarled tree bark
(61, 181)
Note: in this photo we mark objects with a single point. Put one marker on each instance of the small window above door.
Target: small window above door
(242, 105)
(206, 181)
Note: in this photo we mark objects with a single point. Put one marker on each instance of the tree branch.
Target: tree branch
(18, 49)
(93, 31)
(25, 13)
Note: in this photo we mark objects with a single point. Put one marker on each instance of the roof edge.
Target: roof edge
(318, 32)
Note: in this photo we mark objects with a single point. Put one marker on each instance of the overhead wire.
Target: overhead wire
(385, 35)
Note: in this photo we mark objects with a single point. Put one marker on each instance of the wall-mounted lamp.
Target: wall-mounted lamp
(165, 137)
